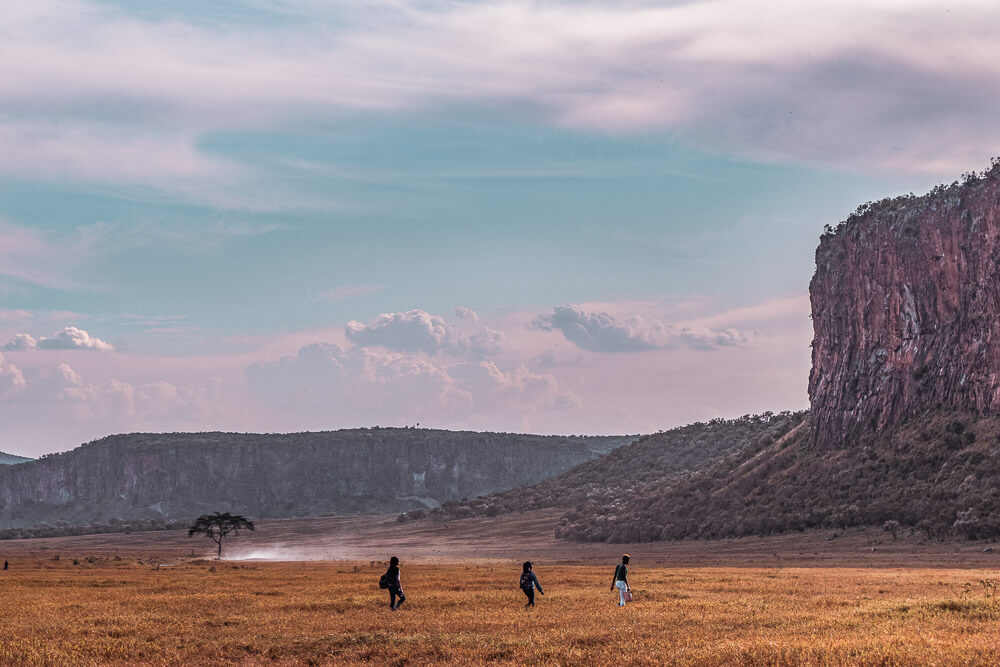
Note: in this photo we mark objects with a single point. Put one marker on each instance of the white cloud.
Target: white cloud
(603, 332)
(419, 331)
(21, 341)
(69, 338)
(325, 385)
(11, 378)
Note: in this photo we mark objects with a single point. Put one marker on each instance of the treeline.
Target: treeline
(63, 529)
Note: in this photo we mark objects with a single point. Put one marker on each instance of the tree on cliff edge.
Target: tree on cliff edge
(217, 526)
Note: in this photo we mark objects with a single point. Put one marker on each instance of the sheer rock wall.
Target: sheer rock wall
(906, 313)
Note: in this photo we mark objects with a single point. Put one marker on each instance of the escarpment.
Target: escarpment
(904, 423)
(906, 313)
(173, 476)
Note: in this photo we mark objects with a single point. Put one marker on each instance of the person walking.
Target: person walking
(529, 582)
(395, 584)
(621, 582)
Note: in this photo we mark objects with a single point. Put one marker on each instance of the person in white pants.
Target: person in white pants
(621, 581)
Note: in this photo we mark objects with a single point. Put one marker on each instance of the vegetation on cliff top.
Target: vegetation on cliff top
(969, 180)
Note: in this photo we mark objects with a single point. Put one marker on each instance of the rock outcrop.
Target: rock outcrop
(906, 312)
(182, 475)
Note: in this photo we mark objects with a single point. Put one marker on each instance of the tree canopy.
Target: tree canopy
(217, 526)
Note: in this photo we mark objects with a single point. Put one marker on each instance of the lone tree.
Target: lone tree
(217, 526)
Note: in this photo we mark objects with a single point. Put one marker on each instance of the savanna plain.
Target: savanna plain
(154, 598)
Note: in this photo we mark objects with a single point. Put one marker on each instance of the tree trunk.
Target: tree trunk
(219, 556)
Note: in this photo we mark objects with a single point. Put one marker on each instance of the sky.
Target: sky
(552, 217)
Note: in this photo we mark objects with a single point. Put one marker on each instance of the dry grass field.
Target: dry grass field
(109, 611)
(142, 598)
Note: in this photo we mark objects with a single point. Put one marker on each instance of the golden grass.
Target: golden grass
(108, 611)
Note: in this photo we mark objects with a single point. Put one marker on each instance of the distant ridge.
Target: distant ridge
(171, 476)
(11, 459)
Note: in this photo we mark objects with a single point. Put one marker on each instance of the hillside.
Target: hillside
(593, 493)
(181, 475)
(937, 475)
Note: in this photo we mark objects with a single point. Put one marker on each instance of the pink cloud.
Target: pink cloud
(780, 83)
(604, 332)
(418, 330)
(537, 382)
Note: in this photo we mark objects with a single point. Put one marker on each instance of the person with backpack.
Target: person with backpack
(391, 581)
(621, 582)
(529, 582)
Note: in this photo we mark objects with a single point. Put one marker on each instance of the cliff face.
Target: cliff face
(182, 475)
(906, 313)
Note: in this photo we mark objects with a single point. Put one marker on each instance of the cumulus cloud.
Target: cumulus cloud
(111, 403)
(69, 338)
(328, 384)
(603, 332)
(21, 341)
(11, 378)
(354, 381)
(489, 384)
(464, 313)
(419, 331)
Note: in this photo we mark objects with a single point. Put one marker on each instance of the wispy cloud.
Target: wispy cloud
(46, 259)
(852, 84)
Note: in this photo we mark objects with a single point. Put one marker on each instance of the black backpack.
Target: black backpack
(525, 581)
(383, 581)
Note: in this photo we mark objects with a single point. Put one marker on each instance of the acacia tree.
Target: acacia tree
(217, 526)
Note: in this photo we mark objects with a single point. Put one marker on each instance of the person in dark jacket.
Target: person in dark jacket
(621, 581)
(529, 582)
(395, 585)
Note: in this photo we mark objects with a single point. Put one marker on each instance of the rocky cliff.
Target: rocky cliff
(181, 475)
(904, 424)
(905, 306)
